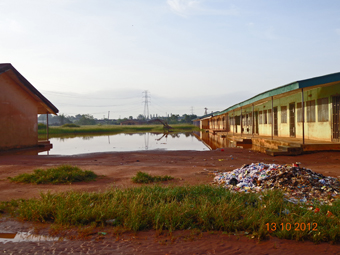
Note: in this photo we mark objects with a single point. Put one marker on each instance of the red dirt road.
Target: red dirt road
(187, 167)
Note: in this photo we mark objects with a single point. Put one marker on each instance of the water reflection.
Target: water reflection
(216, 141)
(78, 144)
(71, 144)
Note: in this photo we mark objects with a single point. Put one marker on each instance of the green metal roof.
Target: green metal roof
(285, 88)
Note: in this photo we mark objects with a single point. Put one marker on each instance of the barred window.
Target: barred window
(270, 116)
(265, 117)
(299, 112)
(283, 114)
(323, 109)
(310, 111)
(260, 117)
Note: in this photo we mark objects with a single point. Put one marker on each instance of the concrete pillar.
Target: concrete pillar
(272, 118)
(303, 117)
(47, 135)
(252, 122)
(241, 122)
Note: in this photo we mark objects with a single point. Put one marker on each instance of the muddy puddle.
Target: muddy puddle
(24, 237)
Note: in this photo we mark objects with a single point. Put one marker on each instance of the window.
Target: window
(299, 112)
(260, 117)
(283, 114)
(323, 109)
(310, 111)
(265, 117)
(237, 120)
(270, 116)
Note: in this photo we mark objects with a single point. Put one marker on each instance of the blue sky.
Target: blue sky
(95, 56)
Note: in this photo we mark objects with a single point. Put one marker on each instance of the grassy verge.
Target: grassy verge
(58, 175)
(115, 129)
(142, 177)
(201, 207)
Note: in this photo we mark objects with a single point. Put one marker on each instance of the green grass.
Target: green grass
(142, 177)
(205, 208)
(70, 125)
(58, 175)
(88, 129)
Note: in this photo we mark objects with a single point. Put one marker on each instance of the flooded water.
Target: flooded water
(71, 145)
(24, 237)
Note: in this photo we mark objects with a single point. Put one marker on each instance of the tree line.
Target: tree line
(88, 119)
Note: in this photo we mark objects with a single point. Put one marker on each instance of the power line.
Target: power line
(84, 97)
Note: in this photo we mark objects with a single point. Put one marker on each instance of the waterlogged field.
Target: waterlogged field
(92, 143)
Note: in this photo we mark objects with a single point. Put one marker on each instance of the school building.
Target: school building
(305, 110)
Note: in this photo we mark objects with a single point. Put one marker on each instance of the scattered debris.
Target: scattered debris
(300, 185)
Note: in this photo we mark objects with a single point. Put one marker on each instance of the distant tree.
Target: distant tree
(63, 119)
(86, 119)
(140, 117)
(130, 118)
(173, 119)
(188, 118)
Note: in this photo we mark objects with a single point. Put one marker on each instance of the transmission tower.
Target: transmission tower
(146, 104)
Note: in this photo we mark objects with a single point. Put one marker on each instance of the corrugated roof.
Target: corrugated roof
(35, 93)
(286, 88)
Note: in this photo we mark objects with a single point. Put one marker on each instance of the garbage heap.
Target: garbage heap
(298, 184)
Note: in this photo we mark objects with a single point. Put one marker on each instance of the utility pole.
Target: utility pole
(108, 115)
(146, 104)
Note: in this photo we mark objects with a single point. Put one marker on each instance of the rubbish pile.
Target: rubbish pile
(298, 184)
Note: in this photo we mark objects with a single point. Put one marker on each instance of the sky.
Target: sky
(99, 57)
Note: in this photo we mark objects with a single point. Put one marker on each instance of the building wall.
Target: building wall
(18, 116)
(316, 129)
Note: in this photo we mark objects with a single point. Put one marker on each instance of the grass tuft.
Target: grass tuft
(203, 207)
(63, 174)
(142, 177)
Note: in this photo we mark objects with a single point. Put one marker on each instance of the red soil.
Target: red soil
(188, 168)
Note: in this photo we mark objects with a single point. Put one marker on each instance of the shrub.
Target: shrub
(58, 175)
(142, 177)
(70, 125)
(41, 126)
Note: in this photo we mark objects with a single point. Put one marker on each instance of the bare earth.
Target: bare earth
(186, 166)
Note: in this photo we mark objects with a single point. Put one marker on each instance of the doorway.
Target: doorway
(336, 116)
(276, 131)
(292, 119)
(256, 124)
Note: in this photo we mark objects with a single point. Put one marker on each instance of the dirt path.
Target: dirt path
(187, 167)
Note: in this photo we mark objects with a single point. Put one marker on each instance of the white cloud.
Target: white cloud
(270, 33)
(186, 8)
(250, 24)
(181, 7)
